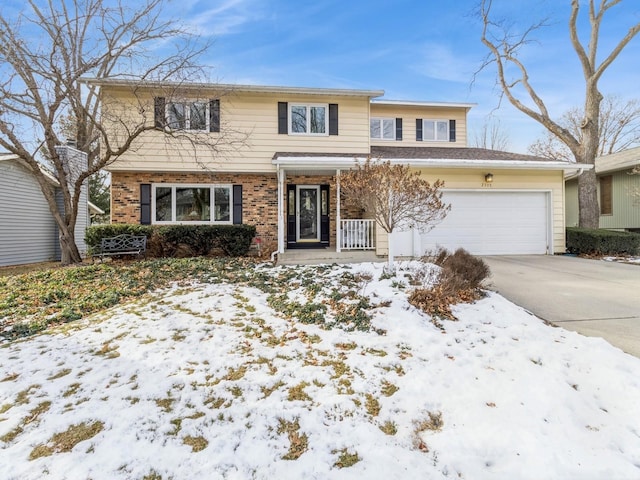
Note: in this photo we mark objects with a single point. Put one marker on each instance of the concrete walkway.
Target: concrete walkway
(592, 297)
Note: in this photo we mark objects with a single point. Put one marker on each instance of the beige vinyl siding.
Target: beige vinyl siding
(626, 208)
(526, 180)
(409, 114)
(571, 202)
(249, 133)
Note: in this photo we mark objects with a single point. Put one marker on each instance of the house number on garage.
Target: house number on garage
(487, 185)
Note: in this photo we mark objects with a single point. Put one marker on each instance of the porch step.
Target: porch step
(326, 255)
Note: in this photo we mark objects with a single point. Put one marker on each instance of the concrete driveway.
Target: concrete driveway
(591, 297)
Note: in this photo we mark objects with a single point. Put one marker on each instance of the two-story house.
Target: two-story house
(272, 157)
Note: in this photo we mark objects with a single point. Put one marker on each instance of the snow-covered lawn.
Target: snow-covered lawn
(207, 381)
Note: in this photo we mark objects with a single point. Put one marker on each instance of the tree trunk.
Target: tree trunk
(68, 248)
(588, 200)
(390, 266)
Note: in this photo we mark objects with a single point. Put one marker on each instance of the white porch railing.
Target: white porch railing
(357, 234)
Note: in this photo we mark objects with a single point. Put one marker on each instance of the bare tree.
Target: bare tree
(395, 197)
(515, 84)
(491, 136)
(46, 50)
(619, 130)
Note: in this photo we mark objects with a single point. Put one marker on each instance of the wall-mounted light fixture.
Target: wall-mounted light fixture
(488, 178)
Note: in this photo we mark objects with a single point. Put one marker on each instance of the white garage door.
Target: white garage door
(485, 223)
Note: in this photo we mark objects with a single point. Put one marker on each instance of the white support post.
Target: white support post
(338, 219)
(281, 233)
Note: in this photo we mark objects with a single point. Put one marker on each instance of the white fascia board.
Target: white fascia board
(347, 162)
(416, 103)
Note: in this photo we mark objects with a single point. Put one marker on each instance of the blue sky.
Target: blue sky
(417, 50)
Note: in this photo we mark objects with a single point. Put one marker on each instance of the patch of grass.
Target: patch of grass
(372, 405)
(236, 391)
(339, 368)
(297, 393)
(152, 475)
(214, 402)
(434, 424)
(376, 352)
(65, 441)
(5, 408)
(10, 377)
(166, 404)
(177, 426)
(23, 396)
(197, 444)
(62, 373)
(269, 363)
(108, 351)
(389, 427)
(267, 391)
(72, 390)
(235, 374)
(298, 443)
(346, 459)
(346, 346)
(388, 388)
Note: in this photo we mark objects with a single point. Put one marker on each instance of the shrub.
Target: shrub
(602, 242)
(180, 240)
(460, 280)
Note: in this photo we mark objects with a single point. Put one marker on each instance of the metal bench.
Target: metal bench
(124, 244)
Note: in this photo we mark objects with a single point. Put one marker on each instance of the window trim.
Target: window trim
(435, 121)
(609, 199)
(308, 107)
(381, 120)
(187, 120)
(174, 186)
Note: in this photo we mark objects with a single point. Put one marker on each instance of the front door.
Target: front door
(308, 213)
(307, 216)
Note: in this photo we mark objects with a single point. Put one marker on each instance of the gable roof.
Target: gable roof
(623, 160)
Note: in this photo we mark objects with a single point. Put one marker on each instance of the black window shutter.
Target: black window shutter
(158, 112)
(398, 129)
(333, 119)
(452, 130)
(283, 111)
(214, 115)
(237, 204)
(418, 129)
(145, 204)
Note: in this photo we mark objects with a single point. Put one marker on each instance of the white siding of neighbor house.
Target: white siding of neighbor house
(27, 230)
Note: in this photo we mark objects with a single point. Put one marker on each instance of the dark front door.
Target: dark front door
(307, 216)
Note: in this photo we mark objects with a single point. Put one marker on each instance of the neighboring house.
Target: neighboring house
(618, 191)
(285, 179)
(28, 233)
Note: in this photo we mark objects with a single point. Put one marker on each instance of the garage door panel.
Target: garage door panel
(488, 223)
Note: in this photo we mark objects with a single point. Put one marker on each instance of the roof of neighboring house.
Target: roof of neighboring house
(623, 160)
(443, 157)
(231, 88)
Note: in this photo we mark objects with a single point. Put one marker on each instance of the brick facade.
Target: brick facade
(259, 202)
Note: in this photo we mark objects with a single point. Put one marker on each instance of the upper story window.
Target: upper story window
(428, 130)
(188, 116)
(308, 119)
(194, 116)
(191, 203)
(383, 128)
